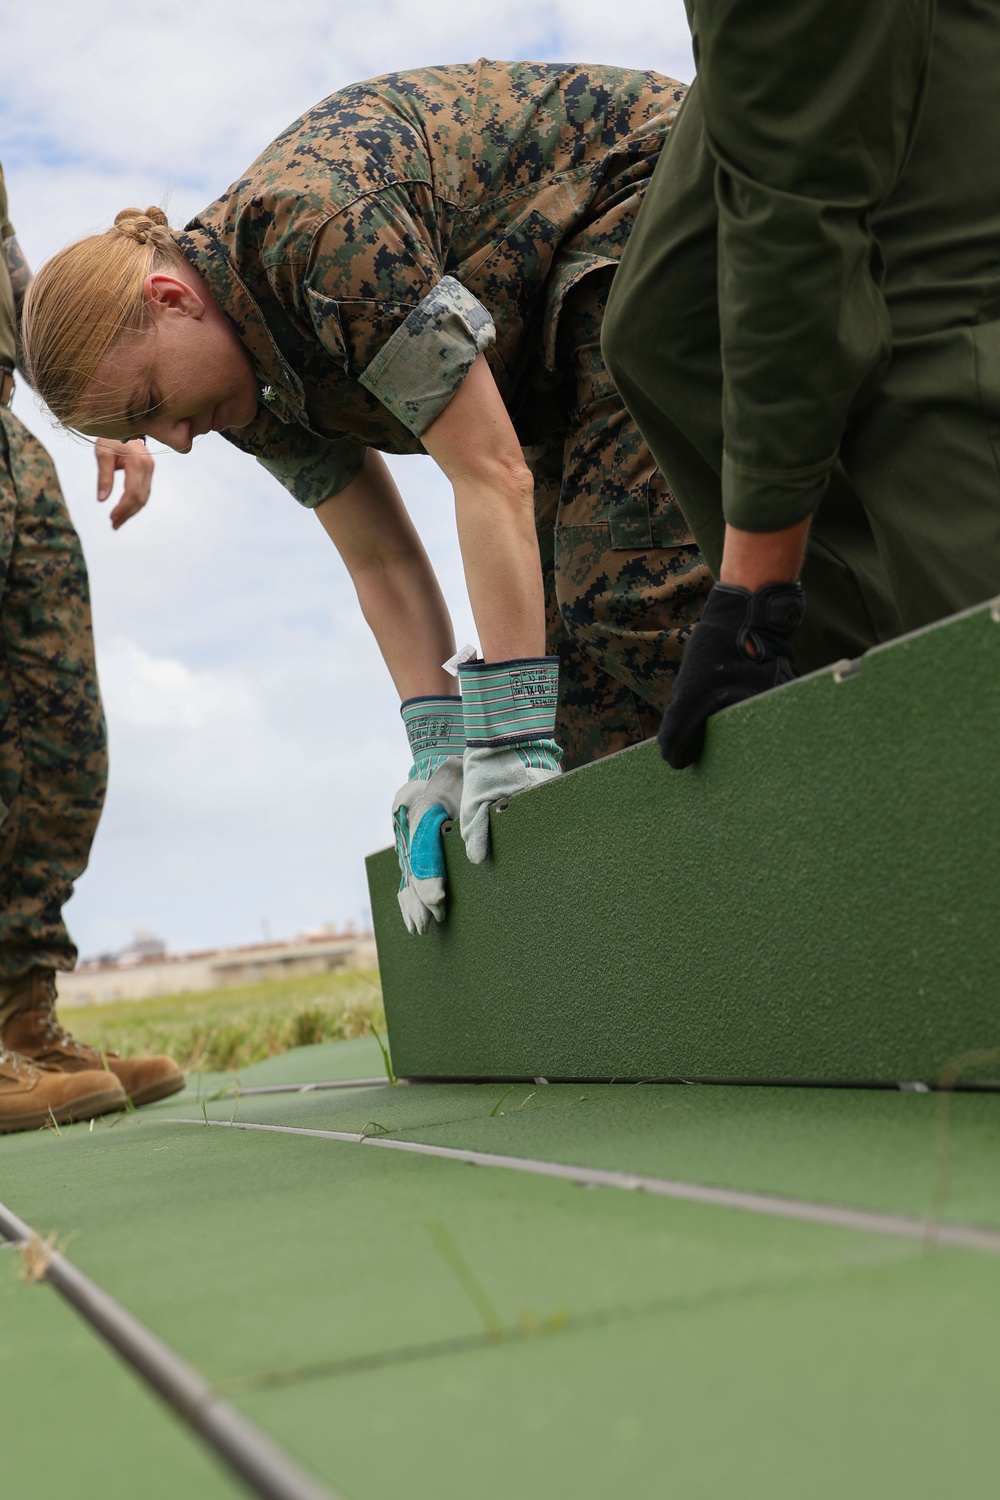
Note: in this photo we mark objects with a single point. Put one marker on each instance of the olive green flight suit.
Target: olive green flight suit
(808, 312)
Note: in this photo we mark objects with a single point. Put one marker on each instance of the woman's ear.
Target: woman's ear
(164, 293)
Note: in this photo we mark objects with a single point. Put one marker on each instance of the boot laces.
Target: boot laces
(17, 1064)
(49, 1024)
(55, 1032)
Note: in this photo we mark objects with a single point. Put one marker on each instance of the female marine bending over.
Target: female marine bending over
(421, 264)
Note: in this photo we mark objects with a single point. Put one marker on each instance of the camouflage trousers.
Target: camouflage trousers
(624, 580)
(53, 746)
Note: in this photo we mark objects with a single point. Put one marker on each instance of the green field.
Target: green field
(222, 1030)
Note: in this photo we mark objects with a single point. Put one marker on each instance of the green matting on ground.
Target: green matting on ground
(344, 1297)
(816, 899)
(74, 1422)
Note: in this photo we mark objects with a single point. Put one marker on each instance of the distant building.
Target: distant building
(142, 947)
(144, 969)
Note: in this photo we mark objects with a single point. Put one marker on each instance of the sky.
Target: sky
(255, 737)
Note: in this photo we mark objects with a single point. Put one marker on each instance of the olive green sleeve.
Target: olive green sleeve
(809, 111)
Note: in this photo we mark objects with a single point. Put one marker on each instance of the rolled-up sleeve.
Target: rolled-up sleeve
(312, 477)
(421, 366)
(379, 300)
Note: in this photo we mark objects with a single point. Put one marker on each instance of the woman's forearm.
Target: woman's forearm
(496, 531)
(395, 583)
(409, 619)
(474, 442)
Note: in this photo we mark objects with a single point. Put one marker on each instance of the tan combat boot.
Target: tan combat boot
(31, 1097)
(31, 1029)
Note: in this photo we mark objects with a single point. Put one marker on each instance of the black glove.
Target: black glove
(717, 670)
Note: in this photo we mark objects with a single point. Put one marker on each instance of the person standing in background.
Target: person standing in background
(53, 758)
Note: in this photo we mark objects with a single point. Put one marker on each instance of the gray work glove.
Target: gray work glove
(510, 714)
(430, 797)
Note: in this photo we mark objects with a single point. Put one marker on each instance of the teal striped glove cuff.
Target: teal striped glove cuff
(510, 703)
(510, 721)
(435, 728)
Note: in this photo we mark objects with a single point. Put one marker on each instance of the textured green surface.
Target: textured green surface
(74, 1422)
(910, 1154)
(649, 1346)
(816, 899)
(879, 1382)
(260, 1254)
(360, 1058)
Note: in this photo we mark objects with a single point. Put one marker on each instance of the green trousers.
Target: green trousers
(808, 311)
(53, 747)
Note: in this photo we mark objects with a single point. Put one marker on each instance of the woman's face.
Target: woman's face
(187, 374)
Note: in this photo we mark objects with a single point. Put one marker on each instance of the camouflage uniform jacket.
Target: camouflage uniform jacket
(406, 224)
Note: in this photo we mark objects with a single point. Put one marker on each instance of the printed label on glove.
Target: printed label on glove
(533, 684)
(429, 731)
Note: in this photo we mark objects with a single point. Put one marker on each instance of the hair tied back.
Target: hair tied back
(139, 224)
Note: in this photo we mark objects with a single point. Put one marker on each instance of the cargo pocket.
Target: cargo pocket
(630, 522)
(643, 511)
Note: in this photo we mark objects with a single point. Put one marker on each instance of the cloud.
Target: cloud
(255, 737)
(139, 103)
(161, 694)
(123, 85)
(237, 795)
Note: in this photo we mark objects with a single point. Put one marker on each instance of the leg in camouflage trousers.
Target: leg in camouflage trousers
(53, 773)
(53, 767)
(625, 582)
(53, 746)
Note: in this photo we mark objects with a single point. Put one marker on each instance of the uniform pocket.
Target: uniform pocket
(631, 522)
(643, 511)
(353, 330)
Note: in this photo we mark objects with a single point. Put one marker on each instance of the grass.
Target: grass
(222, 1030)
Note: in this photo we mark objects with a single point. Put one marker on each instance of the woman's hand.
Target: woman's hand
(474, 442)
(136, 464)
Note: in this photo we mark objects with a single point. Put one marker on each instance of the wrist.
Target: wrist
(751, 559)
(509, 702)
(435, 729)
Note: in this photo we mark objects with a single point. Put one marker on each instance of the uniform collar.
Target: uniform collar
(281, 389)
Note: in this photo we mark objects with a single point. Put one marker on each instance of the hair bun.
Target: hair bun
(140, 224)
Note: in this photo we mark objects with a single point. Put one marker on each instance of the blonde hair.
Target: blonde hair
(84, 301)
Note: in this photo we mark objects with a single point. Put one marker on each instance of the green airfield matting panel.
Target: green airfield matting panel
(69, 1411)
(815, 900)
(400, 1323)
